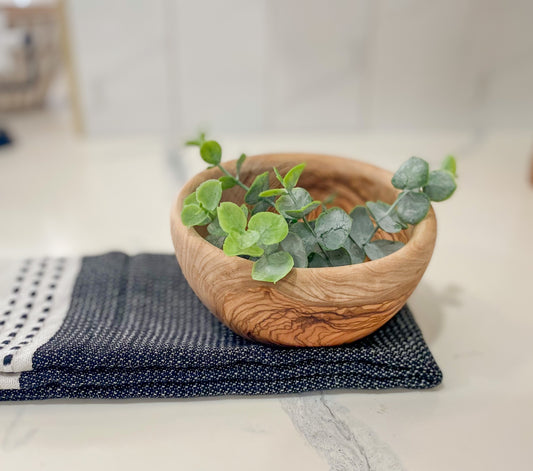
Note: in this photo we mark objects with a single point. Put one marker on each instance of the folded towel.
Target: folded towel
(119, 326)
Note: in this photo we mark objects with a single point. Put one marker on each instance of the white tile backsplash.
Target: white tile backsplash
(304, 65)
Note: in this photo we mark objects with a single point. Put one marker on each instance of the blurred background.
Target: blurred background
(95, 94)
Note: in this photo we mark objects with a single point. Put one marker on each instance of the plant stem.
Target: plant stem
(392, 206)
(306, 222)
(237, 180)
(324, 251)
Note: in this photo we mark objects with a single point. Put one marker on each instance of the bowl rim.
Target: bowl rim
(422, 235)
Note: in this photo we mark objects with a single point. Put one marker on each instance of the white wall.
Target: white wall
(304, 65)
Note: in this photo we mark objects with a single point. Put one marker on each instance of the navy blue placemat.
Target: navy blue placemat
(133, 328)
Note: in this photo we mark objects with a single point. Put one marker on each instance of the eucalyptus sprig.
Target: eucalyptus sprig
(278, 241)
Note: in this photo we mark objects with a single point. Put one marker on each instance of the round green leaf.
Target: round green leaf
(295, 246)
(412, 206)
(291, 178)
(233, 245)
(306, 235)
(273, 267)
(441, 185)
(339, 257)
(231, 218)
(388, 221)
(190, 199)
(193, 215)
(244, 209)
(270, 248)
(362, 226)
(198, 141)
(333, 228)
(449, 164)
(217, 241)
(209, 193)
(300, 213)
(272, 227)
(215, 229)
(317, 261)
(382, 248)
(411, 174)
(211, 152)
(263, 205)
(227, 182)
(246, 239)
(259, 185)
(357, 254)
(296, 201)
(273, 192)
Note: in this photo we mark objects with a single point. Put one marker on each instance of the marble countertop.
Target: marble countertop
(64, 195)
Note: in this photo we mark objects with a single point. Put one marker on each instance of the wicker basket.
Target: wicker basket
(34, 61)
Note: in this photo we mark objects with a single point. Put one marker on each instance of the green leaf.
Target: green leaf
(411, 174)
(191, 199)
(300, 213)
(299, 200)
(217, 241)
(259, 185)
(307, 236)
(273, 267)
(339, 257)
(237, 244)
(263, 205)
(273, 192)
(209, 193)
(193, 215)
(214, 228)
(295, 246)
(241, 160)
(246, 239)
(441, 185)
(211, 152)
(412, 206)
(278, 175)
(357, 254)
(362, 225)
(317, 261)
(227, 182)
(270, 248)
(382, 248)
(272, 227)
(333, 228)
(390, 222)
(198, 141)
(449, 164)
(231, 218)
(291, 178)
(244, 209)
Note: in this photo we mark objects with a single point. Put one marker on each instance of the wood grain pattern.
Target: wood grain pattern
(311, 306)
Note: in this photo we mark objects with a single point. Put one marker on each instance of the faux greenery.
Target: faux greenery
(273, 228)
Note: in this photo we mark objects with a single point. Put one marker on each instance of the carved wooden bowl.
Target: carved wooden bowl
(310, 306)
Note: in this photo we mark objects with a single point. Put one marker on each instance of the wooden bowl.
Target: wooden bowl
(310, 306)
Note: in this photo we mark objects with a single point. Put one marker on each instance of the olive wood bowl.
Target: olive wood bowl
(310, 306)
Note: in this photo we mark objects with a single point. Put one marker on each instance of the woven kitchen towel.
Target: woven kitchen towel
(119, 326)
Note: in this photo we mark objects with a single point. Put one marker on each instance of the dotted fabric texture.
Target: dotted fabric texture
(135, 329)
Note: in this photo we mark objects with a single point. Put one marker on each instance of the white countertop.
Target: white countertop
(63, 195)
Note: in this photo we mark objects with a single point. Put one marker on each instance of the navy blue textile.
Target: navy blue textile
(135, 329)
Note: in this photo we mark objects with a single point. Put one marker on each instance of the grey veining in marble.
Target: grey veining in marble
(326, 427)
